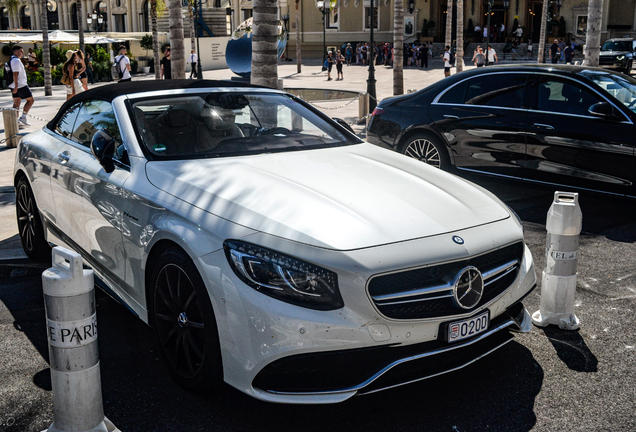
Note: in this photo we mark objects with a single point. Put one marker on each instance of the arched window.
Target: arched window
(4, 20)
(74, 17)
(144, 17)
(51, 15)
(25, 18)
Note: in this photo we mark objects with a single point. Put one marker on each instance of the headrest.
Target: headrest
(178, 118)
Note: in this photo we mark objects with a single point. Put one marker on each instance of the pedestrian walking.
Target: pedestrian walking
(123, 63)
(89, 69)
(568, 54)
(71, 75)
(166, 70)
(529, 49)
(193, 62)
(330, 62)
(19, 87)
(492, 56)
(339, 62)
(555, 53)
(562, 48)
(479, 58)
(447, 66)
(81, 62)
(349, 54)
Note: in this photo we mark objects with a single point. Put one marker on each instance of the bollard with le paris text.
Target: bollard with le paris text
(558, 284)
(71, 328)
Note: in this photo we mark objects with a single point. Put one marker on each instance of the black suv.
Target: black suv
(618, 54)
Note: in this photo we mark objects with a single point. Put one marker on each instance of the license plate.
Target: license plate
(468, 328)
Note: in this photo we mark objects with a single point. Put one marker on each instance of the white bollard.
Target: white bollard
(71, 328)
(558, 284)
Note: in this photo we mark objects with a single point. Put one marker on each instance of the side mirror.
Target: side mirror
(103, 148)
(344, 124)
(603, 110)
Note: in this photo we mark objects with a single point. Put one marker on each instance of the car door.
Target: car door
(102, 196)
(566, 145)
(483, 120)
(65, 164)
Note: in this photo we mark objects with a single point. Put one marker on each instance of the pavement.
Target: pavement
(545, 380)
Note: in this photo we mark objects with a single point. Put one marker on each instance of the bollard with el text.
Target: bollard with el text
(71, 328)
(558, 284)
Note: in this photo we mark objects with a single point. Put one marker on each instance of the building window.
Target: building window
(332, 17)
(367, 17)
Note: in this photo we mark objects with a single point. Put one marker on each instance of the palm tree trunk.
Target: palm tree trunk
(298, 63)
(593, 38)
(459, 60)
(155, 38)
(544, 23)
(398, 48)
(177, 62)
(80, 26)
(449, 24)
(265, 44)
(46, 50)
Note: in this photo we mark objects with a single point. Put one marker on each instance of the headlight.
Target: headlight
(283, 277)
(620, 58)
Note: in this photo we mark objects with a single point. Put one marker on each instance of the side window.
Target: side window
(492, 90)
(95, 115)
(65, 126)
(563, 96)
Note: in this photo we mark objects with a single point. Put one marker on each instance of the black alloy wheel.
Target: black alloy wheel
(184, 321)
(426, 149)
(30, 226)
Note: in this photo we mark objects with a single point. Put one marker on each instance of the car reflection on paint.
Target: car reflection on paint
(270, 247)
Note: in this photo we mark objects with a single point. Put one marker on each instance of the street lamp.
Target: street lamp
(94, 19)
(324, 9)
(490, 5)
(506, 4)
(371, 79)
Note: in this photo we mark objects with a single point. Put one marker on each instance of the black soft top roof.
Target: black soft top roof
(111, 91)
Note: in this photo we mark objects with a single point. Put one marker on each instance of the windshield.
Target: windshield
(620, 86)
(221, 124)
(617, 46)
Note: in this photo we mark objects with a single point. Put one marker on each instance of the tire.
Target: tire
(184, 322)
(628, 69)
(30, 228)
(428, 149)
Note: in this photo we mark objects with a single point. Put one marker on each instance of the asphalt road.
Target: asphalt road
(547, 380)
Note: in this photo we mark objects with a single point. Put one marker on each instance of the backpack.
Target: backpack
(326, 64)
(116, 71)
(451, 59)
(8, 72)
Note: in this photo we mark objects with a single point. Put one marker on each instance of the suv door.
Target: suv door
(566, 145)
(483, 120)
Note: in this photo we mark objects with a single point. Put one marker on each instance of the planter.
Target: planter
(146, 69)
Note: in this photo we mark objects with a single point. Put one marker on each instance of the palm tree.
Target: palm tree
(298, 65)
(398, 48)
(265, 44)
(449, 23)
(155, 6)
(46, 49)
(80, 25)
(177, 62)
(544, 23)
(593, 38)
(459, 54)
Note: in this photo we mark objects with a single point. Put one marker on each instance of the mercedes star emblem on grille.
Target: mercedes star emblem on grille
(469, 287)
(458, 240)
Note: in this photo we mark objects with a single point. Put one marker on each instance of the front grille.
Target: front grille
(606, 60)
(427, 292)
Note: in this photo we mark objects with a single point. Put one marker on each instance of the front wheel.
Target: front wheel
(184, 321)
(30, 226)
(427, 149)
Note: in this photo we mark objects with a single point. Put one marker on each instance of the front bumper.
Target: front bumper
(283, 353)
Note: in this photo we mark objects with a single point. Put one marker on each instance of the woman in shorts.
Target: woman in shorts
(81, 63)
(71, 69)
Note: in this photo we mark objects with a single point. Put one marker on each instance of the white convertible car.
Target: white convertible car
(267, 245)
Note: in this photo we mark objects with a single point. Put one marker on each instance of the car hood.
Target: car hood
(339, 198)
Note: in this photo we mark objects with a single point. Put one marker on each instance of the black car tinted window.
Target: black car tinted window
(65, 126)
(563, 96)
(502, 90)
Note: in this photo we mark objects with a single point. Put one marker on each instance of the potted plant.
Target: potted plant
(146, 44)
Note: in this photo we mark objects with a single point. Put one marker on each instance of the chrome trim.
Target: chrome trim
(545, 126)
(480, 285)
(435, 101)
(421, 291)
(415, 300)
(451, 116)
(482, 336)
(508, 267)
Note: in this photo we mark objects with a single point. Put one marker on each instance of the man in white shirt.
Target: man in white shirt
(19, 87)
(193, 62)
(492, 56)
(123, 64)
(447, 66)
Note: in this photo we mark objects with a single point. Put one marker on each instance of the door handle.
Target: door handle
(544, 126)
(451, 116)
(64, 156)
